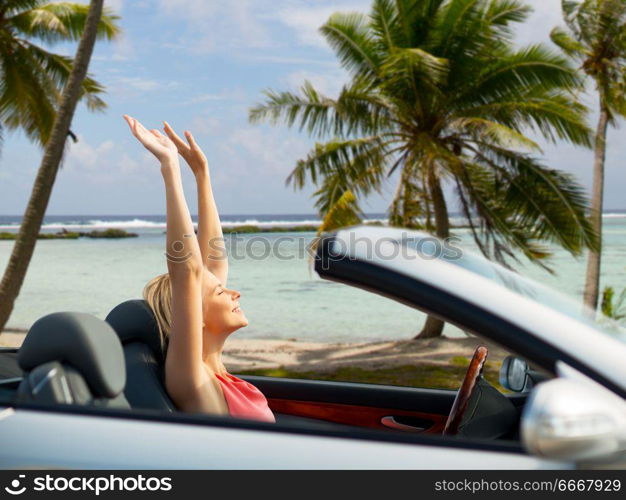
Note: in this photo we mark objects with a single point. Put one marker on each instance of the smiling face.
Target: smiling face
(220, 307)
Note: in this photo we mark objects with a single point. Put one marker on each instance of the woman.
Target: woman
(194, 310)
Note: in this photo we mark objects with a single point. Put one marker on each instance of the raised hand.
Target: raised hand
(153, 140)
(190, 150)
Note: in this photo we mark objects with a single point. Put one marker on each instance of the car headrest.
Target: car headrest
(82, 341)
(134, 321)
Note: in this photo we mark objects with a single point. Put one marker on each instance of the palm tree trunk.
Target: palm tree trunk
(592, 279)
(24, 246)
(434, 326)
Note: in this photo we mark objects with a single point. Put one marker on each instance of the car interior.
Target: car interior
(74, 361)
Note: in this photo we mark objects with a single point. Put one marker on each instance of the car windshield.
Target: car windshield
(519, 284)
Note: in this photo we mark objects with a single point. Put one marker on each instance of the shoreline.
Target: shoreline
(246, 224)
(64, 234)
(241, 354)
(118, 233)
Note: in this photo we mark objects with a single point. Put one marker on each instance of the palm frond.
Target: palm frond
(27, 95)
(61, 21)
(502, 14)
(497, 231)
(415, 63)
(553, 115)
(343, 211)
(462, 28)
(354, 161)
(550, 201)
(514, 73)
(12, 7)
(90, 93)
(349, 36)
(555, 204)
(573, 48)
(310, 109)
(362, 110)
(385, 27)
(410, 205)
(492, 132)
(415, 19)
(30, 89)
(438, 90)
(58, 68)
(357, 110)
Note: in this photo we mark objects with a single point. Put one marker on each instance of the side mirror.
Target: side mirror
(571, 420)
(514, 374)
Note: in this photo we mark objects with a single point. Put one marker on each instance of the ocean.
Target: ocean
(281, 295)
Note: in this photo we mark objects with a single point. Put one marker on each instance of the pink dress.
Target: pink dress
(244, 400)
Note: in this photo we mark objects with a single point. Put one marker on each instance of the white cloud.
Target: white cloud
(306, 20)
(329, 83)
(230, 94)
(139, 83)
(134, 86)
(206, 125)
(289, 60)
(120, 48)
(266, 151)
(546, 15)
(217, 24)
(205, 98)
(83, 155)
(104, 163)
(129, 165)
(115, 5)
(123, 48)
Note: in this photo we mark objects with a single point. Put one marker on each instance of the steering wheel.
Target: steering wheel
(463, 396)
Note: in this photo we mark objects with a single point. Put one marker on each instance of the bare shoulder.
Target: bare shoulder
(199, 393)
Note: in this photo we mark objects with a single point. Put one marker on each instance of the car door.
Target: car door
(475, 295)
(371, 406)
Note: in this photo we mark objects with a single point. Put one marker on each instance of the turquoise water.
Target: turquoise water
(281, 295)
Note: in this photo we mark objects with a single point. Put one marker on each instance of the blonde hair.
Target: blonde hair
(158, 294)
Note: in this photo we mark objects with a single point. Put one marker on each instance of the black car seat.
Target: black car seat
(72, 358)
(137, 328)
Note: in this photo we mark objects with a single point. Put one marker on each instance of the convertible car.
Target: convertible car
(86, 393)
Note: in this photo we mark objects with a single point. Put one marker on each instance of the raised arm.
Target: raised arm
(185, 376)
(210, 237)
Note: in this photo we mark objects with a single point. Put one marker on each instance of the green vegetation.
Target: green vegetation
(439, 91)
(613, 307)
(595, 40)
(306, 228)
(431, 376)
(43, 236)
(460, 361)
(274, 229)
(39, 92)
(109, 233)
(72, 235)
(58, 236)
(32, 75)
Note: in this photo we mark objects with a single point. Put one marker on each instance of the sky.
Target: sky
(201, 65)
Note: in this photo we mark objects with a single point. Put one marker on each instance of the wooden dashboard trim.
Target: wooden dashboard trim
(357, 415)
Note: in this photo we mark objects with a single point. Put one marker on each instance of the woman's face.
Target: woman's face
(220, 306)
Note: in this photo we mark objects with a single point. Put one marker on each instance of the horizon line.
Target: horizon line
(606, 210)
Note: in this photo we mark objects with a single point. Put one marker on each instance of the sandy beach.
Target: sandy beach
(241, 354)
(12, 338)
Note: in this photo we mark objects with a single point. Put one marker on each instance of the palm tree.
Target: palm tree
(597, 42)
(439, 96)
(22, 82)
(31, 77)
(612, 306)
